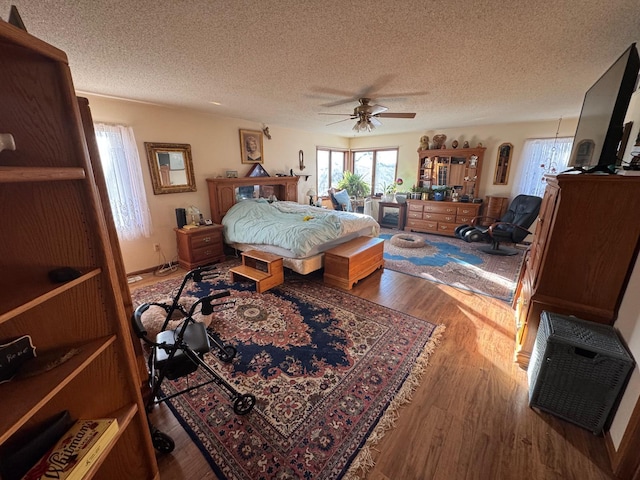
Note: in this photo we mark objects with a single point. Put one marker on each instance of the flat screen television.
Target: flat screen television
(601, 122)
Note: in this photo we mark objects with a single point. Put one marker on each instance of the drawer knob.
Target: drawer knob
(206, 239)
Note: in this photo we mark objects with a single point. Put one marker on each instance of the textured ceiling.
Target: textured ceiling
(282, 62)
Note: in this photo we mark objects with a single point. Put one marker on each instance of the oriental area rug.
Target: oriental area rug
(329, 371)
(454, 262)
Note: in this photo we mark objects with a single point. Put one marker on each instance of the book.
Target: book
(78, 449)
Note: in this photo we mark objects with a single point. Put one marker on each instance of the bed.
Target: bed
(298, 233)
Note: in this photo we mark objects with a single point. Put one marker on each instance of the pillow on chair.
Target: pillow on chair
(342, 197)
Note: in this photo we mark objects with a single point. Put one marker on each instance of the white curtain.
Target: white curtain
(123, 174)
(542, 156)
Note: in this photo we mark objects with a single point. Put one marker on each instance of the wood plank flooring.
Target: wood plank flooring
(468, 419)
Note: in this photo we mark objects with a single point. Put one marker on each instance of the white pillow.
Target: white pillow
(343, 199)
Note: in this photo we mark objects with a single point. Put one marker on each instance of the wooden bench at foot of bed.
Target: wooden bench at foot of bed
(345, 264)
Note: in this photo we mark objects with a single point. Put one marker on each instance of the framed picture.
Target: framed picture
(257, 171)
(232, 174)
(251, 146)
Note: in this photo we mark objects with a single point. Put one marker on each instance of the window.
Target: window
(123, 176)
(330, 165)
(378, 167)
(542, 156)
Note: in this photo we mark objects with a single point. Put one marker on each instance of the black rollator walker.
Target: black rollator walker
(179, 352)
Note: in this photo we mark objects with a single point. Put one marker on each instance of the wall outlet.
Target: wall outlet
(156, 247)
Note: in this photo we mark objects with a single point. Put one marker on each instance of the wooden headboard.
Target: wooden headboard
(222, 191)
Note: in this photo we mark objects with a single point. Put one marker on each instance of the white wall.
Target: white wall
(628, 322)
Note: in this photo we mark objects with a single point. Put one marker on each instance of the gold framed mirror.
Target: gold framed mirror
(171, 167)
(505, 151)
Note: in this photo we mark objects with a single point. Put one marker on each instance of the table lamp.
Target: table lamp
(311, 193)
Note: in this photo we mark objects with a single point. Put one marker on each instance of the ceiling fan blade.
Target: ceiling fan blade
(333, 123)
(340, 102)
(349, 114)
(375, 121)
(396, 115)
(378, 109)
(366, 91)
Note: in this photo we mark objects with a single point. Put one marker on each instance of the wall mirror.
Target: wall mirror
(171, 167)
(505, 151)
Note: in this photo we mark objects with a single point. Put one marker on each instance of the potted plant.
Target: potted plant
(389, 191)
(354, 184)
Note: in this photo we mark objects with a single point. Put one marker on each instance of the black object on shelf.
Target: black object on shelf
(24, 449)
(578, 370)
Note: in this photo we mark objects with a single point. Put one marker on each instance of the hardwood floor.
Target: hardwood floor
(469, 418)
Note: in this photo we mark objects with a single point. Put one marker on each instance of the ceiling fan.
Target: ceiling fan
(367, 115)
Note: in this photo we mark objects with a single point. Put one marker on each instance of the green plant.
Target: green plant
(389, 189)
(354, 184)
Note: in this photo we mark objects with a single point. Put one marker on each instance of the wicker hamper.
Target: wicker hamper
(577, 370)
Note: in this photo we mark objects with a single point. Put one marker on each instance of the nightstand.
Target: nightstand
(199, 246)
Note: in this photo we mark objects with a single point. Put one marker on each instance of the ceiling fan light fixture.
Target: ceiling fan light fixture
(364, 125)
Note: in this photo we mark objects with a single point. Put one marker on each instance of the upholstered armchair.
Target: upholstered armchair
(511, 228)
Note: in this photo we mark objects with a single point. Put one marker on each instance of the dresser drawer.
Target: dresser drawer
(414, 214)
(434, 207)
(467, 211)
(439, 217)
(208, 252)
(461, 219)
(415, 207)
(204, 239)
(422, 225)
(447, 228)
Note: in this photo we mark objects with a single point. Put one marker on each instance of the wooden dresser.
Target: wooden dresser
(199, 246)
(583, 250)
(431, 216)
(224, 192)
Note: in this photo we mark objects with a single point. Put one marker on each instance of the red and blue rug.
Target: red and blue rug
(454, 262)
(329, 371)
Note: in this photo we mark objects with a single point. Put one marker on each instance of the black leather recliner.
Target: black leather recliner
(511, 228)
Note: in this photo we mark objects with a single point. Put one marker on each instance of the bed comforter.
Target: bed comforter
(302, 229)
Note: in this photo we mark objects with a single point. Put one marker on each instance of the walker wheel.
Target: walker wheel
(162, 442)
(227, 354)
(244, 404)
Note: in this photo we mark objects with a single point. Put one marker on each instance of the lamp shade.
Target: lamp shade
(311, 192)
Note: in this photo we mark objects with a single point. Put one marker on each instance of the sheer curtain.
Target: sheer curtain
(542, 156)
(123, 175)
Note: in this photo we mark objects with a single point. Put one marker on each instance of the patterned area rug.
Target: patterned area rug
(454, 262)
(328, 369)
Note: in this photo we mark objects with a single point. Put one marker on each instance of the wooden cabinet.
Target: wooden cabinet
(225, 192)
(493, 207)
(199, 246)
(459, 167)
(350, 262)
(431, 216)
(52, 217)
(392, 214)
(583, 250)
